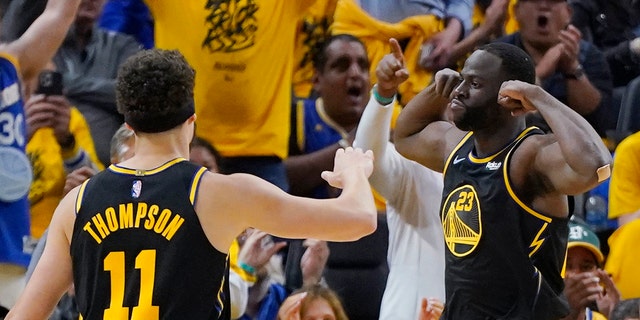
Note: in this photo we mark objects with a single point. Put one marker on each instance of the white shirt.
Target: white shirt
(416, 241)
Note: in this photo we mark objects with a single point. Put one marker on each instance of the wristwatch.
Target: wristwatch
(576, 74)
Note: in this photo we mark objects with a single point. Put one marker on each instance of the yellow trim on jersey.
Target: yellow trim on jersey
(563, 271)
(13, 60)
(221, 289)
(473, 159)
(80, 195)
(513, 194)
(330, 122)
(457, 147)
(300, 136)
(536, 243)
(194, 185)
(140, 172)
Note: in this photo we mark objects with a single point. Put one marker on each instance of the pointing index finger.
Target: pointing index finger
(396, 50)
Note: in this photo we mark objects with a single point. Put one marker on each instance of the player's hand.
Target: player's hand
(446, 81)
(610, 296)
(513, 96)
(431, 308)
(436, 53)
(570, 48)
(61, 118)
(313, 260)
(582, 289)
(391, 71)
(347, 160)
(258, 248)
(39, 114)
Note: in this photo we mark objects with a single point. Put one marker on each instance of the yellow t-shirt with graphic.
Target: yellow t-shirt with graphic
(242, 52)
(313, 29)
(48, 169)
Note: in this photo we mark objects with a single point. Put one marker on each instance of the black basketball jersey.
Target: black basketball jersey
(504, 259)
(139, 251)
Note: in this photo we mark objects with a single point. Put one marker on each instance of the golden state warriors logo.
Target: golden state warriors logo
(232, 25)
(461, 221)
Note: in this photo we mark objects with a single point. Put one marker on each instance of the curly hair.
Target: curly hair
(153, 87)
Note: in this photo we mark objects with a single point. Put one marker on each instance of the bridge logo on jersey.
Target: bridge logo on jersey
(461, 221)
(232, 25)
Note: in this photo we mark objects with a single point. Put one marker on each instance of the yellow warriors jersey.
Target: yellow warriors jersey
(242, 51)
(49, 174)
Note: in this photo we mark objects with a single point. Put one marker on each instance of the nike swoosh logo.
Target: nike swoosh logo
(456, 160)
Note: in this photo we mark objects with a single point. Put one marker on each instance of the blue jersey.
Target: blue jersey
(314, 130)
(15, 170)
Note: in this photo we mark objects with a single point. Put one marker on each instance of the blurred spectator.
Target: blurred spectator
(203, 153)
(624, 205)
(428, 28)
(490, 17)
(413, 194)
(89, 59)
(312, 303)
(626, 310)
(130, 17)
(322, 125)
(22, 60)
(59, 141)
(122, 144)
(262, 269)
(589, 290)
(609, 24)
(570, 69)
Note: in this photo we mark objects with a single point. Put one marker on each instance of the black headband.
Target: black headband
(160, 122)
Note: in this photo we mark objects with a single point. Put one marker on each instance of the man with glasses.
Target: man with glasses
(569, 68)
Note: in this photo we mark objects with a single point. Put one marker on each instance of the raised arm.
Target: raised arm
(226, 205)
(374, 127)
(35, 48)
(421, 133)
(574, 159)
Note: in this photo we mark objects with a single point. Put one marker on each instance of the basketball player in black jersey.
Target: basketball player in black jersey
(148, 238)
(504, 207)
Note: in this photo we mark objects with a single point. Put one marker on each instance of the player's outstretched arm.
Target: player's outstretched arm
(227, 205)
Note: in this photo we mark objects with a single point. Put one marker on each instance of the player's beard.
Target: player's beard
(473, 119)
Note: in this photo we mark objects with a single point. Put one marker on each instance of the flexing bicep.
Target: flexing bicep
(554, 168)
(431, 146)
